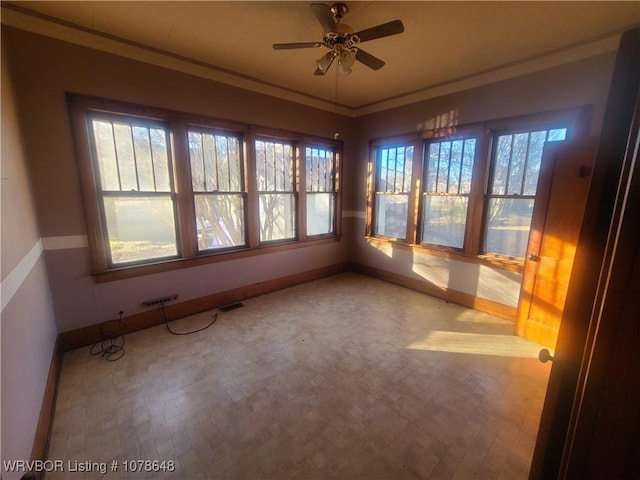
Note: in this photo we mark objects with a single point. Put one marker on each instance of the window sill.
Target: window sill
(122, 273)
(511, 265)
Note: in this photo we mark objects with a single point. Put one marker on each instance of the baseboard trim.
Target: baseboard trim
(40, 446)
(88, 335)
(453, 296)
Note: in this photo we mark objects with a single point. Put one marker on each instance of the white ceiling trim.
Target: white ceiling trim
(54, 28)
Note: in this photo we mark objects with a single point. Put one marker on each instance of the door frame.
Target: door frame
(564, 439)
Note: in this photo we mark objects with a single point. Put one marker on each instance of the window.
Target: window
(446, 193)
(135, 189)
(217, 182)
(473, 189)
(515, 170)
(393, 185)
(275, 175)
(165, 190)
(321, 190)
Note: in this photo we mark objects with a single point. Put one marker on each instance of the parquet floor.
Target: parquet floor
(345, 377)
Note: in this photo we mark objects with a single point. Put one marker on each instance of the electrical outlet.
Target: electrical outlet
(160, 300)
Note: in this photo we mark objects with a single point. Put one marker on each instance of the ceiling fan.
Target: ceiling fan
(342, 41)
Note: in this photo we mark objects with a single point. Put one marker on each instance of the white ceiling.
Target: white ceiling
(446, 46)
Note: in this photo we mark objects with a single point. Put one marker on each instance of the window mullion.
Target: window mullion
(477, 201)
(414, 196)
(251, 182)
(299, 173)
(183, 190)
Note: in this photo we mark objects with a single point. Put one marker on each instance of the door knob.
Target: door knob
(534, 258)
(544, 356)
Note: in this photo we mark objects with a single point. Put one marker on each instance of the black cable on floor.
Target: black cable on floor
(166, 322)
(111, 344)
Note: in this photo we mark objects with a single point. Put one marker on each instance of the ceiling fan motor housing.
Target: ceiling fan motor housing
(339, 10)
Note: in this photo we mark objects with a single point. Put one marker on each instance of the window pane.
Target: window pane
(320, 169)
(401, 170)
(144, 163)
(443, 167)
(444, 220)
(235, 166)
(432, 169)
(383, 179)
(222, 162)
(394, 169)
(159, 151)
(532, 172)
(105, 150)
(518, 159)
(274, 166)
(140, 228)
(391, 215)
(508, 226)
(277, 215)
(196, 157)
(131, 157)
(408, 168)
(124, 152)
(501, 165)
(468, 157)
(215, 162)
(288, 184)
(209, 163)
(450, 166)
(557, 134)
(220, 221)
(261, 165)
(455, 167)
(320, 163)
(319, 213)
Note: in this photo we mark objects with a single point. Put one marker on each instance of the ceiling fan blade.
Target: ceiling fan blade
(287, 46)
(369, 60)
(384, 30)
(325, 61)
(324, 16)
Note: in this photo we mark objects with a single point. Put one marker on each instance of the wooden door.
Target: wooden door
(555, 227)
(567, 438)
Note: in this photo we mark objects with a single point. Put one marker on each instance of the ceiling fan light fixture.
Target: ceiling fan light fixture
(324, 62)
(346, 59)
(342, 42)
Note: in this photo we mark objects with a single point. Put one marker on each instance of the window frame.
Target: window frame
(464, 136)
(335, 170)
(416, 172)
(576, 120)
(102, 193)
(294, 182)
(81, 107)
(489, 195)
(243, 184)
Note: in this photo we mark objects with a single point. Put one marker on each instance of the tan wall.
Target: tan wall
(572, 85)
(45, 71)
(28, 324)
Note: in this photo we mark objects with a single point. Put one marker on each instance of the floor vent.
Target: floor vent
(233, 306)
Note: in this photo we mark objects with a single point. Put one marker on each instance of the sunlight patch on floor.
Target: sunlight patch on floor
(477, 344)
